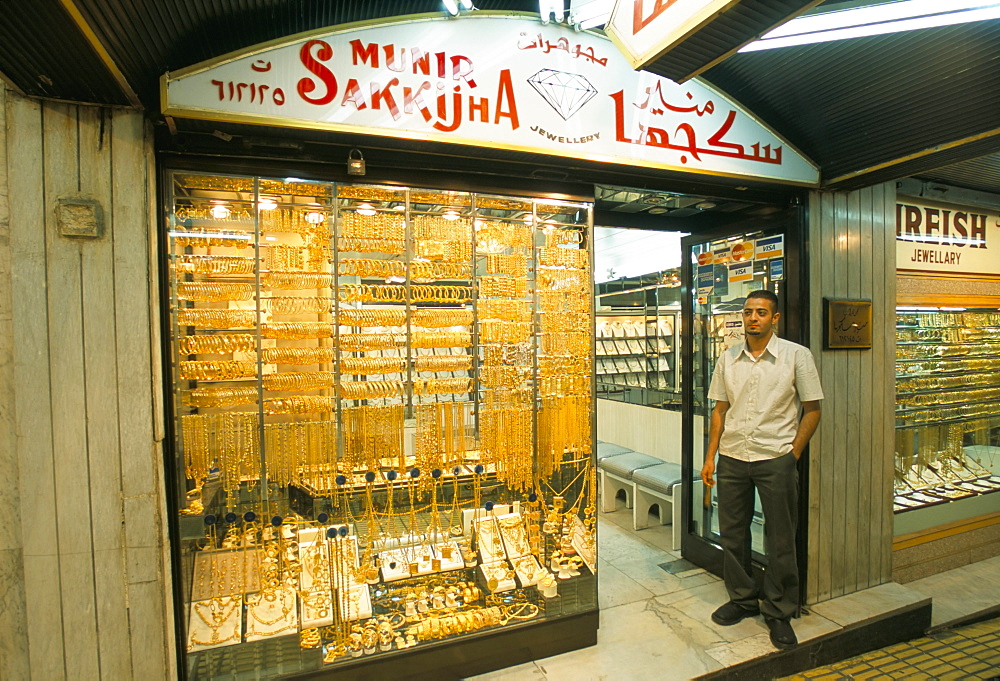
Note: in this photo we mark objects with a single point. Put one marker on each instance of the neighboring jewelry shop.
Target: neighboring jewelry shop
(947, 466)
(383, 394)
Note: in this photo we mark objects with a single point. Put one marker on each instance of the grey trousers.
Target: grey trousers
(776, 481)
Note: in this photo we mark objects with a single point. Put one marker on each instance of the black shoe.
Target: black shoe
(782, 634)
(731, 613)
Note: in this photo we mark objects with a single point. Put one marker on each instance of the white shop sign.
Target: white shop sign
(645, 29)
(491, 80)
(942, 239)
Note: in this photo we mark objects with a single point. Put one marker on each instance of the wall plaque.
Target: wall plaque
(848, 324)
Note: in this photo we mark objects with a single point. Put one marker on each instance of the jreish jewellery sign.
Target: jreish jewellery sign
(495, 80)
(941, 239)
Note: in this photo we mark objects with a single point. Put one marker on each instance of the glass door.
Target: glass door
(718, 273)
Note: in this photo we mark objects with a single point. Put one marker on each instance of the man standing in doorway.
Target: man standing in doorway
(761, 387)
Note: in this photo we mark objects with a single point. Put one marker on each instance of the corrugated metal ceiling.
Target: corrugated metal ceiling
(981, 174)
(855, 104)
(727, 32)
(866, 110)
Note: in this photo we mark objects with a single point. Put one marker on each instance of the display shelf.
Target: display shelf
(947, 418)
(636, 352)
(414, 356)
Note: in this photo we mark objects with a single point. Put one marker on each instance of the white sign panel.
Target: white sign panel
(769, 247)
(645, 29)
(943, 239)
(496, 81)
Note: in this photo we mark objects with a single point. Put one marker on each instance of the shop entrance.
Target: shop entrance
(668, 301)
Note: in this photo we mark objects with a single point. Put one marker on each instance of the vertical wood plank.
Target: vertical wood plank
(142, 486)
(149, 626)
(153, 218)
(815, 267)
(168, 664)
(888, 331)
(14, 642)
(132, 337)
(866, 454)
(871, 451)
(840, 480)
(849, 396)
(827, 252)
(31, 374)
(69, 424)
(96, 135)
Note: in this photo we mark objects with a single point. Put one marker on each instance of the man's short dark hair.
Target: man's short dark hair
(766, 295)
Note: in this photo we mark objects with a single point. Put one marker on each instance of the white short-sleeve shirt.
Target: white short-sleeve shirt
(765, 396)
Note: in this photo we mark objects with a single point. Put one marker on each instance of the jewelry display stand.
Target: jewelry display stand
(383, 410)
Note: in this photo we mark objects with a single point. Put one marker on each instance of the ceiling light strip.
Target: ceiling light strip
(814, 32)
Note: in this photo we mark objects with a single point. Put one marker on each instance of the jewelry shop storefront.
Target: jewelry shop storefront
(947, 472)
(381, 393)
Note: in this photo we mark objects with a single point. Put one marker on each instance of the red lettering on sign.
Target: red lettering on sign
(505, 93)
(639, 22)
(366, 55)
(313, 65)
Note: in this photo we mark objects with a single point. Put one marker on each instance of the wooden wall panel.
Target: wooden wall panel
(91, 542)
(68, 395)
(852, 256)
(32, 398)
(13, 623)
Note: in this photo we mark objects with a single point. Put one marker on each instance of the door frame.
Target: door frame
(795, 325)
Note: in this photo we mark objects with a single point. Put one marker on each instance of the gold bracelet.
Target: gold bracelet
(226, 370)
(217, 319)
(216, 344)
(230, 265)
(443, 363)
(297, 355)
(363, 366)
(214, 291)
(296, 280)
(296, 330)
(299, 404)
(440, 339)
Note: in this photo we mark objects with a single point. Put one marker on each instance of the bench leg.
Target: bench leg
(607, 494)
(609, 490)
(644, 499)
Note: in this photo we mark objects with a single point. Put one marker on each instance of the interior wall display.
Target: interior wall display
(947, 463)
(937, 239)
(383, 407)
(636, 351)
(497, 80)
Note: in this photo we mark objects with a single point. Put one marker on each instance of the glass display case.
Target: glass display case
(383, 418)
(947, 466)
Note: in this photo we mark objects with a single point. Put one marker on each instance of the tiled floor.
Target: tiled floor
(970, 652)
(961, 592)
(656, 625)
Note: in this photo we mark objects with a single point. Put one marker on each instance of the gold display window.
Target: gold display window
(947, 459)
(383, 404)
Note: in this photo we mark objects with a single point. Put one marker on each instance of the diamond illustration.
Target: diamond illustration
(565, 92)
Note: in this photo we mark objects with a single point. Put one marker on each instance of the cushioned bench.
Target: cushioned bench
(615, 473)
(606, 449)
(660, 485)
